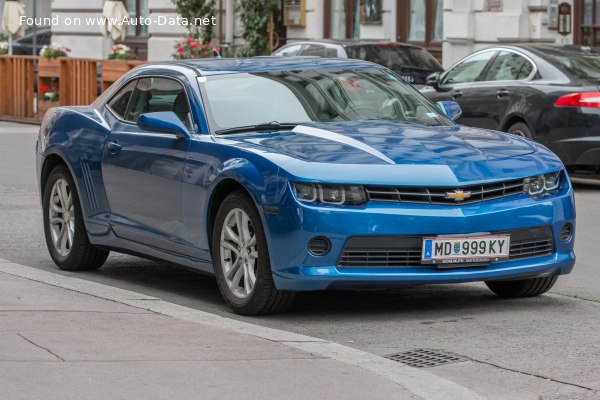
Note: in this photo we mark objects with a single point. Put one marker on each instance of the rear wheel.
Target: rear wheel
(521, 129)
(523, 287)
(241, 259)
(66, 236)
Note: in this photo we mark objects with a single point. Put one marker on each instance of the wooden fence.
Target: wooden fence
(79, 81)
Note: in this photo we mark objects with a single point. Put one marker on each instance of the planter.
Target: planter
(44, 106)
(112, 70)
(48, 68)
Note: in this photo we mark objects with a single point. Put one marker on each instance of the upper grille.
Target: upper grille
(405, 251)
(439, 195)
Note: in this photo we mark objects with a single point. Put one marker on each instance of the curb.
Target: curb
(424, 384)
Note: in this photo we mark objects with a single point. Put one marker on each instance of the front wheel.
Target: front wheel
(523, 287)
(66, 236)
(241, 259)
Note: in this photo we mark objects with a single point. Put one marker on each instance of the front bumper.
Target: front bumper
(295, 268)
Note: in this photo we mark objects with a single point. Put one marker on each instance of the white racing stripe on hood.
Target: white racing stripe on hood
(336, 137)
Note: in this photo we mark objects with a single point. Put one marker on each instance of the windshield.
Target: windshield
(395, 57)
(294, 97)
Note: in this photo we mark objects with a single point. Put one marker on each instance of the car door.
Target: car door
(500, 87)
(460, 81)
(143, 170)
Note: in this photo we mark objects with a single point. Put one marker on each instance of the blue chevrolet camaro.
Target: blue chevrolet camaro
(280, 175)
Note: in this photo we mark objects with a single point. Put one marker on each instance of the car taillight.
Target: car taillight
(585, 99)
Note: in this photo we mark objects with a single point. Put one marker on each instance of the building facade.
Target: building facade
(449, 29)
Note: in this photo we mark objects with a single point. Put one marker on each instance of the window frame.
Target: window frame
(195, 124)
(482, 73)
(403, 27)
(486, 69)
(579, 24)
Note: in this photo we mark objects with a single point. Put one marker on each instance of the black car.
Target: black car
(23, 46)
(412, 63)
(549, 93)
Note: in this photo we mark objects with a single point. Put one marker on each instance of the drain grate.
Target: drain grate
(426, 358)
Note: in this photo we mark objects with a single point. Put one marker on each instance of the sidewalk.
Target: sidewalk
(67, 338)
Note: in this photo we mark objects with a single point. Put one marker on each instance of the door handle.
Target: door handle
(457, 94)
(114, 148)
(502, 93)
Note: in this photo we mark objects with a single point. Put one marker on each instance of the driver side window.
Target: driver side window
(468, 70)
(156, 95)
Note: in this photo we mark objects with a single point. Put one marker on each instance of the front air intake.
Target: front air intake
(319, 246)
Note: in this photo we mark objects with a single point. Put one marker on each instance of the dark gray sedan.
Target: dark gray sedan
(412, 63)
(545, 92)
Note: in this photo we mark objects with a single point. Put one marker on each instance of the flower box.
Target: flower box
(48, 68)
(112, 70)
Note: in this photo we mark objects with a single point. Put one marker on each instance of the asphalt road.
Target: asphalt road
(517, 349)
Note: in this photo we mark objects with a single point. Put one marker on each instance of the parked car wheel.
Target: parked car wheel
(523, 287)
(520, 129)
(66, 236)
(241, 259)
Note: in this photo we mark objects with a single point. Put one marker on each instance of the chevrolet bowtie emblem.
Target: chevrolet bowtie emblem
(458, 195)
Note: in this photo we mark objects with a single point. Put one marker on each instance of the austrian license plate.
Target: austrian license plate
(465, 249)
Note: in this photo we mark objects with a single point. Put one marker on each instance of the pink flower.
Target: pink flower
(194, 45)
(189, 39)
(54, 88)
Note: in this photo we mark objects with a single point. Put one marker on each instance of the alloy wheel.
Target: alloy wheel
(61, 217)
(239, 254)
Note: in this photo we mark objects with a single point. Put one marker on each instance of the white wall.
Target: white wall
(468, 26)
(84, 40)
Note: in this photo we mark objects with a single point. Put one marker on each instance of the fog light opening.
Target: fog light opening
(566, 233)
(319, 246)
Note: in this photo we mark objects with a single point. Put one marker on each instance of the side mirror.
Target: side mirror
(165, 122)
(451, 109)
(433, 80)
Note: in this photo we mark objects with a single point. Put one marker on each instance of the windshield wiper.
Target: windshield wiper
(267, 126)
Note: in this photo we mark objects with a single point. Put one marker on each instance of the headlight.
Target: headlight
(350, 195)
(542, 184)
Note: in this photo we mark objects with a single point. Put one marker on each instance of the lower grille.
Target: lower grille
(405, 251)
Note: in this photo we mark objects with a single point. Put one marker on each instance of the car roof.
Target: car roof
(542, 49)
(220, 65)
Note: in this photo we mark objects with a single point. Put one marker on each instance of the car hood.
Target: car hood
(375, 142)
(395, 153)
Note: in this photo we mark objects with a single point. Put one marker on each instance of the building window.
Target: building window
(342, 19)
(137, 9)
(137, 34)
(421, 22)
(587, 22)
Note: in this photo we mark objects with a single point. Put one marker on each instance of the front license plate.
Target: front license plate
(465, 249)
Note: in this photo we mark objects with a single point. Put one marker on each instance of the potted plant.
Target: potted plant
(119, 62)
(191, 48)
(49, 66)
(49, 93)
(122, 52)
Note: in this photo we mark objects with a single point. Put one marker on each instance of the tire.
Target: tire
(523, 287)
(520, 129)
(241, 263)
(66, 236)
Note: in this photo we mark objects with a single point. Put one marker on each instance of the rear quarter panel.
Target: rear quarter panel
(77, 135)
